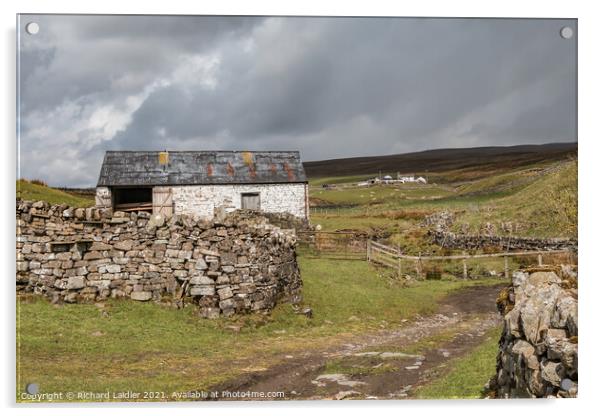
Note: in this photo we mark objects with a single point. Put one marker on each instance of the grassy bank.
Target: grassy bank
(142, 346)
(465, 377)
(37, 192)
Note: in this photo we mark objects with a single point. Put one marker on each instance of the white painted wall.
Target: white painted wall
(103, 197)
(202, 200)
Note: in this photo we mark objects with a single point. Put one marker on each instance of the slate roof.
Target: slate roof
(142, 168)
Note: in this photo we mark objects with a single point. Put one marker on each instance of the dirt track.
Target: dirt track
(375, 365)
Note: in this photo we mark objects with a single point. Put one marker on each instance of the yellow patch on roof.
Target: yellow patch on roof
(247, 157)
(163, 158)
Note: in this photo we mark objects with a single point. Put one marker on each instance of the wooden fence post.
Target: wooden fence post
(540, 259)
(464, 267)
(368, 242)
(506, 269)
(418, 267)
(398, 261)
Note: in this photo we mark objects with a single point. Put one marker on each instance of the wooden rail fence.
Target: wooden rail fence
(342, 245)
(392, 257)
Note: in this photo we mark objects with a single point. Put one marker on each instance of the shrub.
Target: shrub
(38, 182)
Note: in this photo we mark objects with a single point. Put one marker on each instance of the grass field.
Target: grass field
(142, 346)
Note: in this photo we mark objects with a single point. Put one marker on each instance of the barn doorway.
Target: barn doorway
(133, 199)
(250, 201)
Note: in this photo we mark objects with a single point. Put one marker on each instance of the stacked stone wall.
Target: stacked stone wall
(538, 348)
(475, 242)
(235, 264)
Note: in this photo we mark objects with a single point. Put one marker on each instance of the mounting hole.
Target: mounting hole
(32, 28)
(566, 32)
(32, 388)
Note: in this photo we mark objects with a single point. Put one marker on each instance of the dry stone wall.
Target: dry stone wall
(235, 264)
(538, 347)
(473, 242)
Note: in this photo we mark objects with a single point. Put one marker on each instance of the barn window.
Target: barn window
(133, 199)
(250, 200)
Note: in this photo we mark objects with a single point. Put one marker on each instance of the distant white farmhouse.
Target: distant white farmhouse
(410, 178)
(388, 179)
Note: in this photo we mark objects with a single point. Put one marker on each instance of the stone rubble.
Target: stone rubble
(538, 347)
(439, 221)
(236, 264)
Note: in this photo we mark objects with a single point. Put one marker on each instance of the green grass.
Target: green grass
(511, 180)
(465, 377)
(547, 207)
(144, 346)
(338, 289)
(34, 192)
(379, 194)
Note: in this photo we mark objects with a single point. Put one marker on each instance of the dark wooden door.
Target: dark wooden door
(250, 201)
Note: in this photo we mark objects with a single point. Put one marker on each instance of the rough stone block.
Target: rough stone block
(225, 293)
(201, 280)
(124, 245)
(204, 290)
(76, 282)
(100, 246)
(142, 296)
(200, 264)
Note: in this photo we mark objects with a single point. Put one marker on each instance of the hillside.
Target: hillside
(537, 200)
(476, 159)
(547, 206)
(36, 192)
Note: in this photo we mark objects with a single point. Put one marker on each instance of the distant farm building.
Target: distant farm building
(410, 179)
(200, 182)
(388, 179)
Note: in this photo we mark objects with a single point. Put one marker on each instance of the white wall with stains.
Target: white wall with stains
(103, 197)
(202, 200)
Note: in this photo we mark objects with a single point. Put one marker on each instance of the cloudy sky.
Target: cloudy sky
(329, 87)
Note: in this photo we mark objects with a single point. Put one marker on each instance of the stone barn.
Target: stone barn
(199, 182)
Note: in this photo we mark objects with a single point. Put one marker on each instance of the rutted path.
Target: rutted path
(382, 365)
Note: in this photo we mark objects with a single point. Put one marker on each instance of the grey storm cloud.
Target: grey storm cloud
(329, 87)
